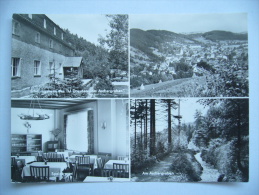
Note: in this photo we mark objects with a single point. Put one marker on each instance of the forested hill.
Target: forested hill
(79, 43)
(224, 35)
(141, 39)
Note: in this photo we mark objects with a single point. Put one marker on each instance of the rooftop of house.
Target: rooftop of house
(72, 62)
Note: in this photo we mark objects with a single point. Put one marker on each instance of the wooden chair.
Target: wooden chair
(120, 173)
(121, 157)
(105, 157)
(82, 167)
(82, 160)
(56, 158)
(25, 154)
(124, 167)
(40, 173)
(97, 171)
(13, 168)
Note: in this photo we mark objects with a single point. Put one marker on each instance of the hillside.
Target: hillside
(218, 35)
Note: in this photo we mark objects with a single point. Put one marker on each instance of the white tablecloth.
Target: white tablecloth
(104, 179)
(25, 159)
(55, 168)
(93, 160)
(109, 164)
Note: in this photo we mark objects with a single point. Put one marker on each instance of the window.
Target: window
(50, 43)
(16, 67)
(77, 131)
(30, 16)
(37, 37)
(54, 30)
(44, 23)
(62, 36)
(15, 28)
(60, 47)
(51, 68)
(37, 68)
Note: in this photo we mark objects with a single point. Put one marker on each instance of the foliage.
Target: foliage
(96, 63)
(104, 85)
(117, 41)
(223, 135)
(184, 163)
(57, 88)
(182, 70)
(206, 66)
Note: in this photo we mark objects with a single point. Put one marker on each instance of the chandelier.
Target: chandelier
(34, 116)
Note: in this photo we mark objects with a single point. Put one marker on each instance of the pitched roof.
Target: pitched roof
(72, 62)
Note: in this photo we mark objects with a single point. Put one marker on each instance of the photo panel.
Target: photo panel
(69, 56)
(189, 55)
(189, 140)
(70, 141)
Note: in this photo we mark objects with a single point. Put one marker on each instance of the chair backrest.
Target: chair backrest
(83, 160)
(99, 163)
(113, 173)
(40, 173)
(121, 166)
(107, 172)
(105, 156)
(25, 154)
(121, 157)
(13, 162)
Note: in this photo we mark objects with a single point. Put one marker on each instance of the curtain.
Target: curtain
(77, 131)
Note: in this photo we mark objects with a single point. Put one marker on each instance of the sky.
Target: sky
(87, 26)
(186, 23)
(188, 108)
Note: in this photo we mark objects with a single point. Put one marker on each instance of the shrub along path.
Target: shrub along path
(160, 172)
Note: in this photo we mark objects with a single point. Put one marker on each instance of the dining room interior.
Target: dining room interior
(70, 140)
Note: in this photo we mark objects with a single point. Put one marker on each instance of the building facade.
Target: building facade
(39, 52)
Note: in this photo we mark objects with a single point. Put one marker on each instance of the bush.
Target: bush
(185, 163)
(104, 84)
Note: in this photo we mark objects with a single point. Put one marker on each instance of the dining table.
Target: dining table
(109, 163)
(104, 179)
(55, 168)
(25, 159)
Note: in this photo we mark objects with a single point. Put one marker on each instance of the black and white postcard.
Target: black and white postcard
(69, 56)
(70, 140)
(189, 55)
(189, 140)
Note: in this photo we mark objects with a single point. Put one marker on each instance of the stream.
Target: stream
(209, 174)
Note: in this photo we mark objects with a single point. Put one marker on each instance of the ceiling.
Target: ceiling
(48, 104)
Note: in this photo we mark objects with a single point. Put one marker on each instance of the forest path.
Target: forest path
(175, 88)
(209, 174)
(159, 172)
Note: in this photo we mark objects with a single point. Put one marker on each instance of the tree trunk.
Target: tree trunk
(135, 137)
(152, 128)
(146, 121)
(169, 125)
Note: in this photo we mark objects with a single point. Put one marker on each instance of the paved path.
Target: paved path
(160, 172)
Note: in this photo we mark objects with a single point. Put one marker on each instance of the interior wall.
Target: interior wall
(114, 138)
(63, 112)
(104, 134)
(37, 126)
(122, 130)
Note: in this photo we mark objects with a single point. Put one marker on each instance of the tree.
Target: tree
(117, 41)
(152, 127)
